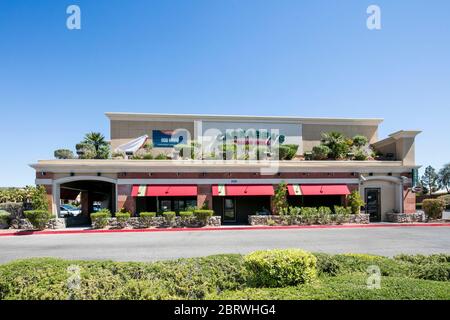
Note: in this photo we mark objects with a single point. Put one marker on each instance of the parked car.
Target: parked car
(67, 210)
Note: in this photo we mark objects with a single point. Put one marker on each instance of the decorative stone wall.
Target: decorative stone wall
(24, 224)
(290, 220)
(160, 222)
(405, 217)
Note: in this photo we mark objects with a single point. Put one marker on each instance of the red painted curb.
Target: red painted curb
(353, 226)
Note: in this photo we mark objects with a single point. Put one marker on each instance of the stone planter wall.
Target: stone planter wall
(24, 224)
(405, 217)
(289, 220)
(160, 222)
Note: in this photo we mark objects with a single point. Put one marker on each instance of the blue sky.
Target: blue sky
(304, 58)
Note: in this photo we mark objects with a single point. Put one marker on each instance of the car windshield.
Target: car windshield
(69, 207)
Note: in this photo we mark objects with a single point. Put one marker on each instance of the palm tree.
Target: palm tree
(337, 143)
(97, 140)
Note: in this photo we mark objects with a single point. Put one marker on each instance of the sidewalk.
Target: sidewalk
(87, 230)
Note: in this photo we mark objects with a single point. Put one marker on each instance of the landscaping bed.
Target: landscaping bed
(271, 274)
(275, 220)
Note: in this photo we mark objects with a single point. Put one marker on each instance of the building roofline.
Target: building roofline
(126, 116)
(114, 166)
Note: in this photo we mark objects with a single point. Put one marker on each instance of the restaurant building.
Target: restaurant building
(197, 171)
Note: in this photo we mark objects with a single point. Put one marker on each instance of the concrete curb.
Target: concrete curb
(249, 228)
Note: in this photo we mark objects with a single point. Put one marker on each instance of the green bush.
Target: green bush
(86, 151)
(46, 278)
(169, 216)
(63, 154)
(433, 208)
(147, 218)
(320, 152)
(421, 259)
(203, 215)
(360, 155)
(308, 215)
(38, 218)
(327, 264)
(280, 267)
(4, 217)
(122, 218)
(360, 141)
(147, 214)
(287, 151)
(186, 214)
(100, 218)
(446, 199)
(355, 202)
(39, 199)
(324, 215)
(431, 271)
(341, 214)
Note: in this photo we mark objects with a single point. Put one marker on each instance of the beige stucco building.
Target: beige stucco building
(238, 186)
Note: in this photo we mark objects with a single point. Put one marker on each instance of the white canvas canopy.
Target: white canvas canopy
(133, 145)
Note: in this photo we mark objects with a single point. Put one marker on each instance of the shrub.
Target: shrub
(324, 215)
(421, 259)
(38, 218)
(280, 204)
(4, 217)
(100, 218)
(320, 152)
(203, 215)
(327, 264)
(122, 219)
(360, 155)
(355, 202)
(295, 211)
(169, 216)
(341, 214)
(433, 208)
(39, 199)
(360, 141)
(86, 151)
(186, 214)
(446, 199)
(338, 144)
(280, 267)
(308, 215)
(287, 151)
(147, 156)
(431, 271)
(63, 154)
(147, 218)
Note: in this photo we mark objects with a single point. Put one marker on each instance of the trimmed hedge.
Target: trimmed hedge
(224, 277)
(169, 216)
(186, 214)
(147, 214)
(281, 267)
(38, 218)
(46, 278)
(203, 215)
(100, 218)
(122, 218)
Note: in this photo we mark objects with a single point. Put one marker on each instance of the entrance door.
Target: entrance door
(229, 210)
(373, 203)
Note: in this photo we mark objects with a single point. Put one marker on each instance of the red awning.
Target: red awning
(325, 190)
(171, 190)
(242, 190)
(164, 190)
